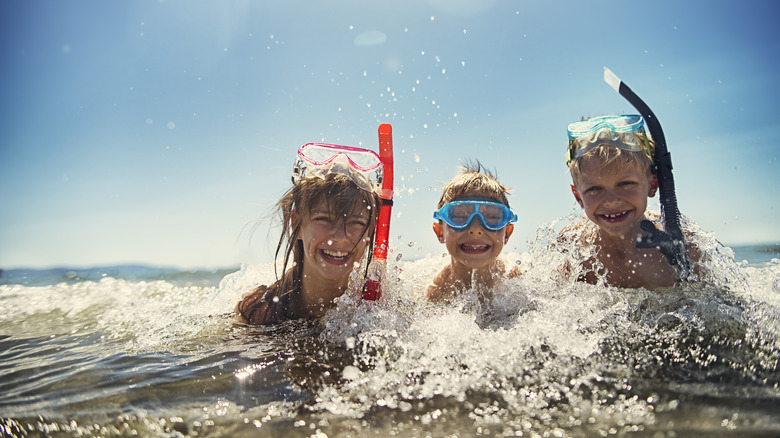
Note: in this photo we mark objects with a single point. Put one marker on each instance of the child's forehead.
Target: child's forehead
(600, 164)
(357, 207)
(476, 195)
(472, 196)
(594, 171)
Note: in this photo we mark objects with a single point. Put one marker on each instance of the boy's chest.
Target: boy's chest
(642, 268)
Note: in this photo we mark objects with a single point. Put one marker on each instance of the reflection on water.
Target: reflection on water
(161, 357)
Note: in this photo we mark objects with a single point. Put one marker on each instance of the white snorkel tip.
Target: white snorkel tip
(612, 79)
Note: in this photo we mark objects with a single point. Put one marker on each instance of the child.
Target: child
(474, 223)
(328, 219)
(611, 165)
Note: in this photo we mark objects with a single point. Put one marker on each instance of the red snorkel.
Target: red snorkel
(372, 290)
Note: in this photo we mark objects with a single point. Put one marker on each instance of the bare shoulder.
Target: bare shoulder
(259, 306)
(575, 233)
(442, 287)
(697, 256)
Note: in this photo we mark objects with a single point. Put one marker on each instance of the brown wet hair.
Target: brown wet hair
(343, 198)
(609, 155)
(474, 180)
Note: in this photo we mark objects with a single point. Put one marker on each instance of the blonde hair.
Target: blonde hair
(474, 180)
(609, 155)
(343, 199)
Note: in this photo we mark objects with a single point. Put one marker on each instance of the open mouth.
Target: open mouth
(334, 256)
(615, 217)
(474, 248)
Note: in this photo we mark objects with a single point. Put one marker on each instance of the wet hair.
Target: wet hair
(343, 199)
(474, 180)
(609, 155)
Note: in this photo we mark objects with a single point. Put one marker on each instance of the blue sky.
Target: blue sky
(159, 132)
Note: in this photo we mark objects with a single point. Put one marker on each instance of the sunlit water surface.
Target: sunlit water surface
(123, 356)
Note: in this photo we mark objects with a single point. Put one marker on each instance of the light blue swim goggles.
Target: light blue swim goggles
(459, 214)
(617, 131)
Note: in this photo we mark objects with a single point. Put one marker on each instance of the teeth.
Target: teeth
(475, 246)
(335, 254)
(612, 216)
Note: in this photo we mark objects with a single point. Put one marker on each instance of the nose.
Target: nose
(475, 226)
(611, 197)
(338, 232)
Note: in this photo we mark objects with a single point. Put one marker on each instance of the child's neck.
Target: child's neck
(317, 295)
(625, 243)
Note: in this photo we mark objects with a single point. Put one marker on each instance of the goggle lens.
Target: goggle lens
(320, 154)
(620, 124)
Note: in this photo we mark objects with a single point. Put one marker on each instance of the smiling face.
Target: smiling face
(474, 247)
(614, 196)
(332, 245)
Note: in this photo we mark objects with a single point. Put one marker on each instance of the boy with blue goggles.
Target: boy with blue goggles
(474, 223)
(459, 214)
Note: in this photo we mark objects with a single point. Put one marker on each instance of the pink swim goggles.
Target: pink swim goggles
(320, 159)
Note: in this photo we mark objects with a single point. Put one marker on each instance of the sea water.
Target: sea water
(130, 351)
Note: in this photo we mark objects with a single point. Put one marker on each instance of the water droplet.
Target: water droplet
(350, 372)
(411, 244)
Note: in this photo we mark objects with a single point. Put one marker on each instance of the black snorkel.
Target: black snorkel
(670, 241)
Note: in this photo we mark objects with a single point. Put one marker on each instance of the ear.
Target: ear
(653, 185)
(439, 230)
(508, 232)
(577, 195)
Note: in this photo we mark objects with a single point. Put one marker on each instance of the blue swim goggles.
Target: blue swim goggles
(459, 214)
(620, 131)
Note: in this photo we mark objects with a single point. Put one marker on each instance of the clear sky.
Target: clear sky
(159, 132)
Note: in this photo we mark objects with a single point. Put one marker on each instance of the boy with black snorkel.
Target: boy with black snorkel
(610, 159)
(474, 222)
(615, 167)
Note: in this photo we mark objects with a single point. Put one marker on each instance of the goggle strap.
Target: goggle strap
(647, 150)
(570, 151)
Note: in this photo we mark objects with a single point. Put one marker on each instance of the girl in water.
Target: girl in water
(328, 219)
